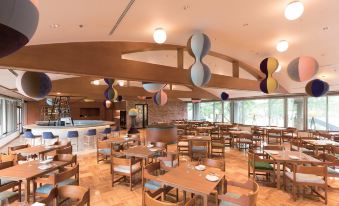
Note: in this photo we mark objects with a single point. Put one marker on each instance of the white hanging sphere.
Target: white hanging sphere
(294, 10)
(282, 46)
(159, 35)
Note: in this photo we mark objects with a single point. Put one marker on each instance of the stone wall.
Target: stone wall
(171, 111)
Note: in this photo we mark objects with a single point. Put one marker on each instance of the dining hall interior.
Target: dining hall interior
(169, 103)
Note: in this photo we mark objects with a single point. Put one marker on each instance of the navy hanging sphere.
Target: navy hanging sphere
(119, 98)
(317, 88)
(224, 96)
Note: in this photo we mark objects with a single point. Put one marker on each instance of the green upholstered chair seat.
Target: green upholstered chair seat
(337, 156)
(7, 195)
(332, 171)
(263, 166)
(231, 195)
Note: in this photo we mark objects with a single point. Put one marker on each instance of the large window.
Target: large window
(206, 111)
(333, 113)
(316, 110)
(10, 119)
(295, 112)
(189, 111)
(251, 112)
(276, 112)
(227, 111)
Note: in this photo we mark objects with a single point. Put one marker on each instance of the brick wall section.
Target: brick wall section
(171, 111)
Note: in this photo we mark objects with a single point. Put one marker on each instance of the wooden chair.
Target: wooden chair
(274, 147)
(217, 144)
(79, 195)
(314, 177)
(244, 139)
(151, 200)
(289, 133)
(199, 148)
(170, 159)
(232, 198)
(124, 167)
(4, 165)
(13, 151)
(66, 177)
(260, 166)
(332, 164)
(7, 191)
(227, 138)
(70, 159)
(51, 198)
(104, 150)
(216, 163)
(334, 151)
(182, 146)
(274, 134)
(65, 150)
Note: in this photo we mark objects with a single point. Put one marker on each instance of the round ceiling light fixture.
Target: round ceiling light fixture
(159, 35)
(121, 83)
(282, 46)
(294, 10)
(278, 69)
(96, 82)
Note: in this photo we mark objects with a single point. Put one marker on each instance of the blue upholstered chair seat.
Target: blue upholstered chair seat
(45, 189)
(5, 181)
(231, 195)
(7, 194)
(106, 151)
(152, 185)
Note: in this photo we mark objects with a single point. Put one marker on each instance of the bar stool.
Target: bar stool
(49, 136)
(106, 131)
(31, 137)
(91, 134)
(73, 135)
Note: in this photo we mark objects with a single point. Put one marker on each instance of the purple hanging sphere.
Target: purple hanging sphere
(224, 96)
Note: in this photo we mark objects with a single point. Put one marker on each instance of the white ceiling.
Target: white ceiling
(247, 30)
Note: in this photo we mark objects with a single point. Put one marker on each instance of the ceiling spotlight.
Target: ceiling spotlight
(54, 26)
(96, 82)
(278, 69)
(58, 93)
(294, 10)
(159, 35)
(282, 46)
(121, 83)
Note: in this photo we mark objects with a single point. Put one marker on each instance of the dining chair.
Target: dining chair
(273, 147)
(313, 177)
(30, 137)
(182, 145)
(152, 200)
(91, 135)
(78, 195)
(136, 140)
(12, 151)
(50, 199)
(106, 132)
(332, 164)
(65, 150)
(104, 150)
(71, 135)
(218, 146)
(49, 137)
(69, 176)
(244, 141)
(334, 150)
(69, 158)
(4, 165)
(275, 134)
(199, 148)
(8, 191)
(289, 133)
(216, 163)
(234, 198)
(259, 164)
(170, 159)
(124, 167)
(227, 137)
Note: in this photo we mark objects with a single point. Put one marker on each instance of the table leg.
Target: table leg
(27, 190)
(278, 175)
(205, 197)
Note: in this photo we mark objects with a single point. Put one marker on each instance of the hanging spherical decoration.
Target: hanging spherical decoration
(302, 68)
(49, 101)
(224, 96)
(198, 46)
(35, 85)
(268, 66)
(195, 100)
(18, 23)
(317, 88)
(160, 98)
(111, 93)
(133, 112)
(109, 82)
(107, 104)
(152, 87)
(119, 98)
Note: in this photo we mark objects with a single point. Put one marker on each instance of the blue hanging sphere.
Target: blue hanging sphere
(224, 96)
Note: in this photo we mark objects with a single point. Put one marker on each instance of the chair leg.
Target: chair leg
(130, 183)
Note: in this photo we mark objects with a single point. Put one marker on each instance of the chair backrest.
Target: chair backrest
(245, 136)
(318, 170)
(152, 201)
(66, 158)
(51, 198)
(199, 143)
(72, 134)
(151, 170)
(216, 163)
(102, 144)
(274, 147)
(11, 150)
(65, 150)
(107, 130)
(122, 161)
(162, 145)
(47, 135)
(28, 134)
(251, 197)
(91, 132)
(273, 131)
(77, 193)
(67, 174)
(4, 165)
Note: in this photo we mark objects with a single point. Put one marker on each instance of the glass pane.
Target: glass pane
(333, 113)
(189, 111)
(217, 112)
(251, 112)
(316, 118)
(276, 108)
(206, 111)
(227, 112)
(295, 112)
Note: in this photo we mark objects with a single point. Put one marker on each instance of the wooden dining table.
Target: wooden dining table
(320, 144)
(27, 172)
(283, 157)
(185, 177)
(40, 150)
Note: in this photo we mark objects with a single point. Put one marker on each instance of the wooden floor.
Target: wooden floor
(97, 177)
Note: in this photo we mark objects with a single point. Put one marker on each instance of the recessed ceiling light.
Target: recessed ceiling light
(121, 83)
(96, 82)
(244, 25)
(159, 35)
(54, 26)
(58, 93)
(279, 68)
(294, 10)
(282, 46)
(325, 28)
